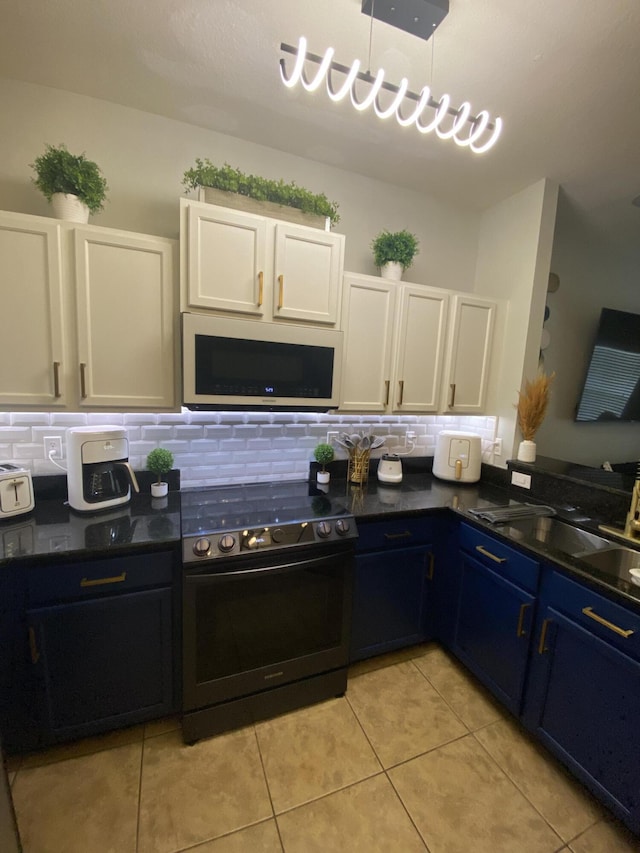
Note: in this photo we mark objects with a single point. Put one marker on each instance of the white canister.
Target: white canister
(458, 456)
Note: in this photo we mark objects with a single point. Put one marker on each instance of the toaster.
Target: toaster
(16, 490)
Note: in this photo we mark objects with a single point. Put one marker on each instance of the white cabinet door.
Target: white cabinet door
(368, 315)
(307, 274)
(124, 294)
(470, 338)
(226, 259)
(33, 351)
(420, 337)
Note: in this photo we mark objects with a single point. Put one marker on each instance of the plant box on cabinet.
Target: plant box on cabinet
(394, 345)
(238, 263)
(91, 317)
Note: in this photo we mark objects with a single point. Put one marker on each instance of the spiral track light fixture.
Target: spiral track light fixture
(479, 133)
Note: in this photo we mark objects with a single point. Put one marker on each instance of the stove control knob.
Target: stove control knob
(323, 529)
(201, 547)
(342, 526)
(278, 535)
(226, 543)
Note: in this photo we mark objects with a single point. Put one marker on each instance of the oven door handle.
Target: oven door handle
(271, 569)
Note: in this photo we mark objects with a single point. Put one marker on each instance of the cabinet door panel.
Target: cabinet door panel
(31, 304)
(585, 701)
(125, 319)
(420, 349)
(469, 353)
(103, 663)
(493, 630)
(368, 313)
(307, 271)
(226, 260)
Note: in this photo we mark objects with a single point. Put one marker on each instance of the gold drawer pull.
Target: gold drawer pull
(453, 395)
(33, 646)
(543, 636)
(520, 632)
(56, 379)
(431, 567)
(406, 534)
(83, 380)
(490, 555)
(387, 383)
(260, 288)
(401, 388)
(101, 581)
(280, 291)
(588, 611)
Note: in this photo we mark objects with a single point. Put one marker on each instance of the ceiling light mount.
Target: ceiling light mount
(478, 132)
(418, 17)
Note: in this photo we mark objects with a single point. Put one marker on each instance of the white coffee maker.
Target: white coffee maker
(99, 475)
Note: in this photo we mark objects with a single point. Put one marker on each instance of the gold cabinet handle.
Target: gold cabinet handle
(588, 611)
(33, 646)
(431, 567)
(56, 379)
(83, 380)
(280, 291)
(386, 391)
(490, 555)
(543, 637)
(406, 534)
(260, 288)
(453, 395)
(520, 631)
(102, 581)
(401, 387)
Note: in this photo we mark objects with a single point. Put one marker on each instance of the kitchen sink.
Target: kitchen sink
(556, 534)
(615, 560)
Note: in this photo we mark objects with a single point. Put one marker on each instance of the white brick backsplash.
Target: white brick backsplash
(214, 448)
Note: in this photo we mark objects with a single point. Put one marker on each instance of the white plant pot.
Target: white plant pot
(69, 207)
(392, 270)
(527, 451)
(323, 477)
(159, 490)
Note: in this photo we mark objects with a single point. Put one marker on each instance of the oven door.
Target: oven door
(264, 623)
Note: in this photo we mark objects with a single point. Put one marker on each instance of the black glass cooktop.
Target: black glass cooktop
(227, 508)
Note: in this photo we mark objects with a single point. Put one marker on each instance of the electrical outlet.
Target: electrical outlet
(331, 434)
(53, 446)
(411, 435)
(497, 447)
(522, 480)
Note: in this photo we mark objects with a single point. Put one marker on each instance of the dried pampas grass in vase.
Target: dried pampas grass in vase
(532, 407)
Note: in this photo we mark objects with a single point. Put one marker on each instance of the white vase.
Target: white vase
(323, 477)
(69, 207)
(392, 270)
(527, 451)
(159, 490)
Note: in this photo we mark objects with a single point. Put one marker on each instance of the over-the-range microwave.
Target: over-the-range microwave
(248, 364)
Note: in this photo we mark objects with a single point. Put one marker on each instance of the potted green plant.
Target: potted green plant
(271, 197)
(159, 462)
(74, 185)
(393, 252)
(323, 454)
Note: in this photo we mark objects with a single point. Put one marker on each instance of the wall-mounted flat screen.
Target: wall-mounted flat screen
(611, 389)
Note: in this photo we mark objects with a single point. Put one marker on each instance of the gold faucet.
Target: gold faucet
(632, 524)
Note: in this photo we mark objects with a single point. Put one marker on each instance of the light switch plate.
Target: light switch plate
(522, 480)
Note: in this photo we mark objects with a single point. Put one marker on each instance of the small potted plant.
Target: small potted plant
(74, 185)
(159, 462)
(531, 409)
(393, 253)
(323, 455)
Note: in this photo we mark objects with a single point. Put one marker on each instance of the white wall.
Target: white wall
(513, 265)
(144, 157)
(594, 273)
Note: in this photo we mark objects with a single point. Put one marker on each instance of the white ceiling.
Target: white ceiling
(564, 77)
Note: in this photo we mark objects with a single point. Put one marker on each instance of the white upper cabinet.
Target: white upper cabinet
(240, 263)
(32, 343)
(394, 345)
(468, 354)
(89, 317)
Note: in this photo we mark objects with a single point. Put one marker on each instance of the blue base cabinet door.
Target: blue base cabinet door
(389, 607)
(583, 701)
(493, 630)
(102, 663)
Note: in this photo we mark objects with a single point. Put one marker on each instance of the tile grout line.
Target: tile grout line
(140, 794)
(266, 782)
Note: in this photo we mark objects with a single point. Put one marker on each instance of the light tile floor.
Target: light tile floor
(416, 757)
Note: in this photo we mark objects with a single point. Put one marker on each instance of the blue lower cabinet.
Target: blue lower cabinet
(493, 630)
(583, 699)
(389, 603)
